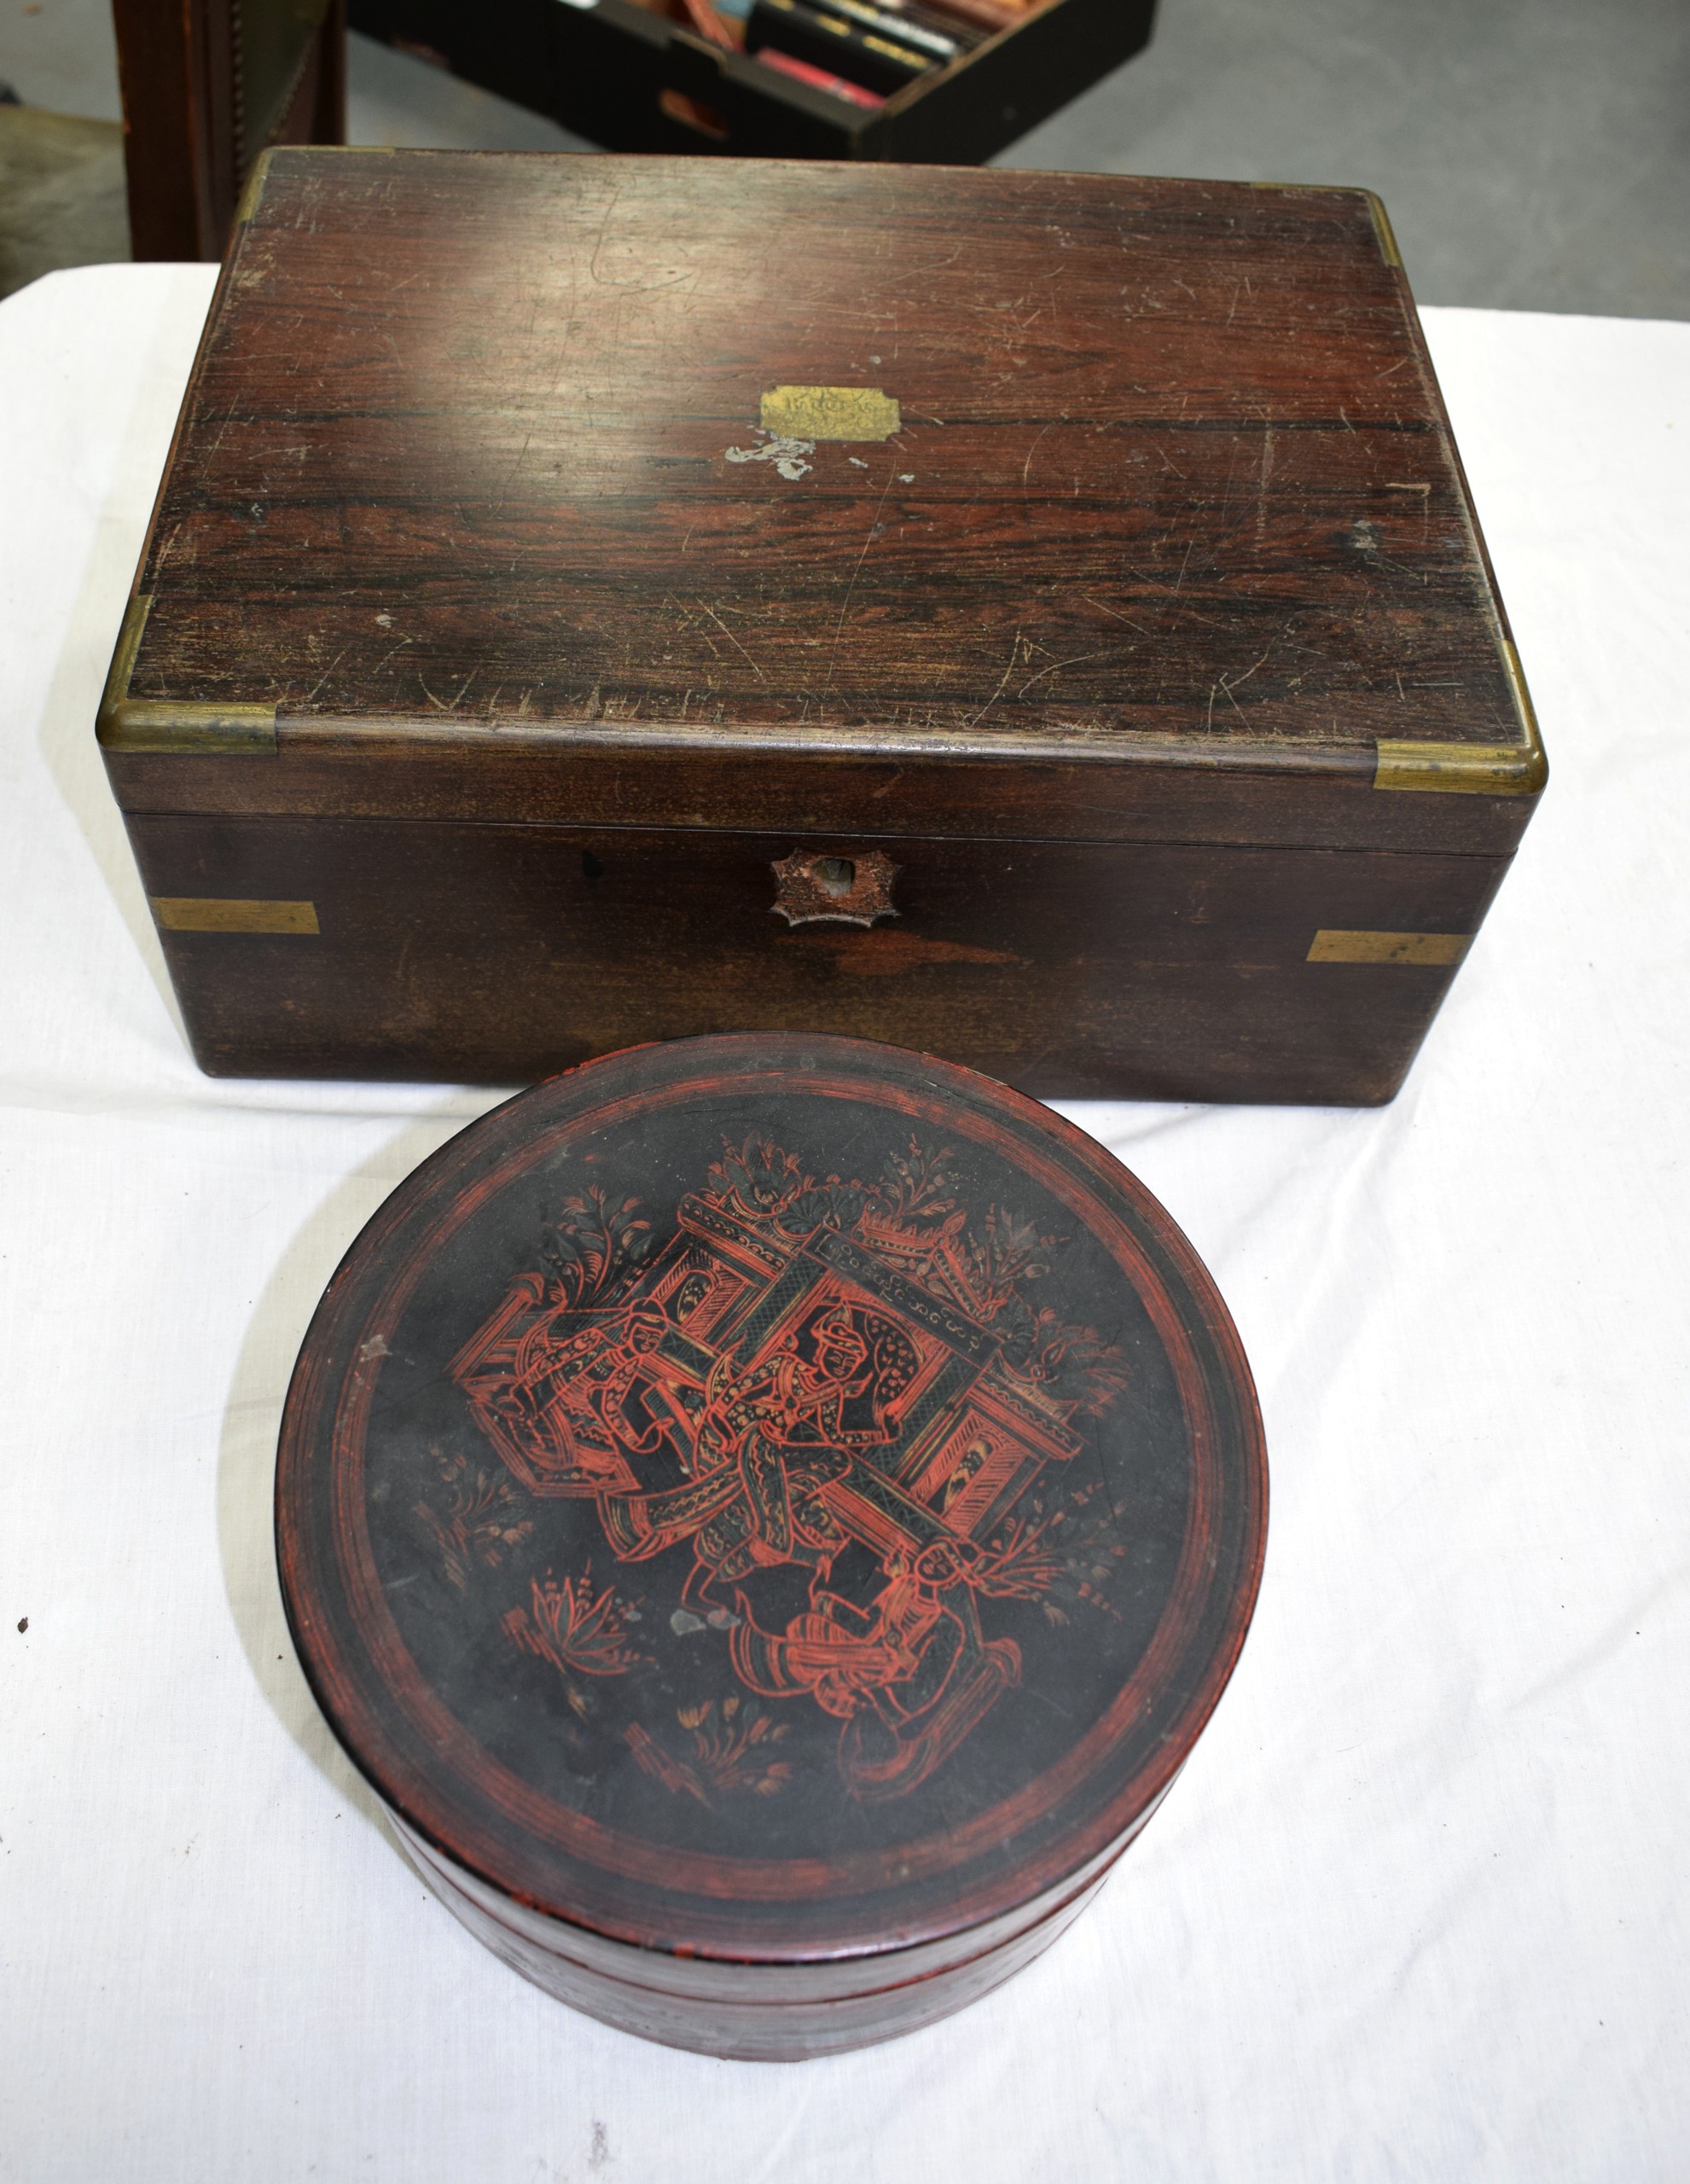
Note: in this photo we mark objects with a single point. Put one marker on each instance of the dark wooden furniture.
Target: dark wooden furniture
(628, 78)
(1038, 619)
(207, 86)
(770, 1516)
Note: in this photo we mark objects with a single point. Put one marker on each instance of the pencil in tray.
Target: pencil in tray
(941, 42)
(820, 79)
(986, 17)
(876, 60)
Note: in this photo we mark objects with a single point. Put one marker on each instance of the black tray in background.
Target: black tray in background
(602, 69)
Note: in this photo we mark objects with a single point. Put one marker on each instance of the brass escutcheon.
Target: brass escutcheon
(812, 885)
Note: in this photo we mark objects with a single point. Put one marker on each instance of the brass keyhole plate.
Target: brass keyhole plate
(813, 885)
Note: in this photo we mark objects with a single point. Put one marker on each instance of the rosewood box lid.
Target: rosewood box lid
(772, 1501)
(638, 490)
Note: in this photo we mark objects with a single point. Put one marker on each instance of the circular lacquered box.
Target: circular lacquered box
(770, 1516)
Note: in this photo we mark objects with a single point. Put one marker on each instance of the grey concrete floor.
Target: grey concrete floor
(62, 195)
(1534, 153)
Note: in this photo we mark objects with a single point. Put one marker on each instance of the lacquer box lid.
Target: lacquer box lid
(772, 1502)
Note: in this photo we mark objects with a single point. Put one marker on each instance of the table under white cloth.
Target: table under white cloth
(1417, 1908)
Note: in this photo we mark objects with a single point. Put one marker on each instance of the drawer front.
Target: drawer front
(497, 955)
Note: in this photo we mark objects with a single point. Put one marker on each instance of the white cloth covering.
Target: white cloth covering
(1417, 1908)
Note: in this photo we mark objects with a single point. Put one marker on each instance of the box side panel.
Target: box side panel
(498, 954)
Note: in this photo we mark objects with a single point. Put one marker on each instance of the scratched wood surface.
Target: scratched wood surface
(463, 443)
(565, 651)
(1070, 969)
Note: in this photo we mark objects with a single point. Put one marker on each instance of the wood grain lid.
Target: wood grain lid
(771, 1500)
(672, 482)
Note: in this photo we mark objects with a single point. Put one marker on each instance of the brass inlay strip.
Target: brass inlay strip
(1430, 949)
(1523, 705)
(130, 632)
(146, 724)
(1381, 218)
(1382, 228)
(1465, 768)
(1472, 768)
(253, 190)
(311, 11)
(232, 913)
(155, 724)
(829, 413)
(1458, 769)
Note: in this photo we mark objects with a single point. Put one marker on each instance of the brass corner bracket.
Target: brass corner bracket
(1383, 230)
(166, 725)
(1471, 768)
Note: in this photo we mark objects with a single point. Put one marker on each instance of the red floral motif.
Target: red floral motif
(573, 1626)
(730, 1752)
(478, 1522)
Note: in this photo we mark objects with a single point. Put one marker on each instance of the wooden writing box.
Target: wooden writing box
(622, 76)
(1038, 619)
(770, 1516)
